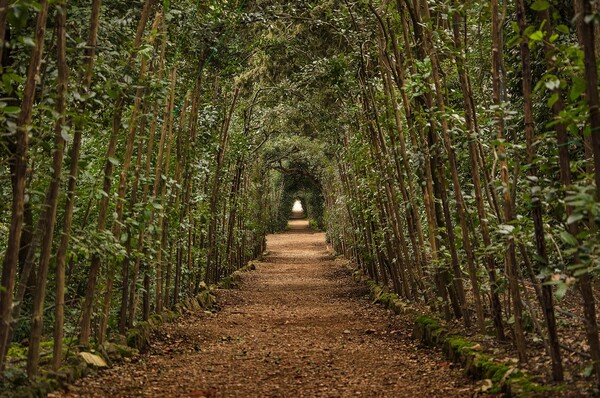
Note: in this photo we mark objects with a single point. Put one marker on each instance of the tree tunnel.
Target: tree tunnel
(151, 146)
(296, 186)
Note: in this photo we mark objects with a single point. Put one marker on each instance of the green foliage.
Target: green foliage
(329, 109)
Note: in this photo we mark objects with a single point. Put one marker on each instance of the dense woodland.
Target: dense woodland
(450, 148)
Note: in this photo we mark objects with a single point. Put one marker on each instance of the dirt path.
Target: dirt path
(299, 326)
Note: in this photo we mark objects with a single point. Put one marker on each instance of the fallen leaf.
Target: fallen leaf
(486, 385)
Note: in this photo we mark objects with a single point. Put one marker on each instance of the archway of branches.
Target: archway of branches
(151, 147)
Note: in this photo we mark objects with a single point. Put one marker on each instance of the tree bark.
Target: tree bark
(168, 126)
(124, 175)
(211, 266)
(540, 243)
(51, 203)
(70, 203)
(11, 256)
(107, 185)
(510, 255)
(470, 123)
(587, 41)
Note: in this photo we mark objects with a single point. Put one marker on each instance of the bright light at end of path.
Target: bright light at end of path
(297, 207)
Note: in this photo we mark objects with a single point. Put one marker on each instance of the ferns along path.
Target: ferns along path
(415, 182)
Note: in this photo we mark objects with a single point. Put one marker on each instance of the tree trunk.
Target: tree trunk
(125, 266)
(587, 40)
(175, 203)
(211, 270)
(124, 175)
(88, 303)
(168, 125)
(11, 256)
(470, 122)
(146, 191)
(510, 256)
(51, 203)
(547, 297)
(460, 204)
(70, 203)
(3, 15)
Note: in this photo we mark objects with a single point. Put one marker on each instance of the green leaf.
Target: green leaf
(505, 229)
(538, 35)
(114, 161)
(28, 41)
(561, 290)
(11, 109)
(578, 88)
(568, 238)
(552, 100)
(36, 6)
(563, 29)
(573, 218)
(540, 5)
(64, 133)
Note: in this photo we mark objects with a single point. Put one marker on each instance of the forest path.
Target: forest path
(298, 327)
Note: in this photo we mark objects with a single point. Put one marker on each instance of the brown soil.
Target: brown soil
(298, 327)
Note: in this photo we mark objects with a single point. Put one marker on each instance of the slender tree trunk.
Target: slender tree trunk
(30, 239)
(510, 255)
(146, 191)
(547, 298)
(51, 203)
(460, 203)
(88, 303)
(409, 194)
(175, 203)
(90, 57)
(470, 122)
(124, 176)
(211, 270)
(11, 256)
(161, 225)
(380, 155)
(435, 184)
(413, 225)
(119, 208)
(3, 16)
(125, 268)
(587, 40)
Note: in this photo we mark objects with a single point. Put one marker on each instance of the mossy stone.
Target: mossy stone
(425, 320)
(397, 306)
(155, 319)
(138, 337)
(206, 300)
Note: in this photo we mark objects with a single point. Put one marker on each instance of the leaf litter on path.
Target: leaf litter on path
(298, 327)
